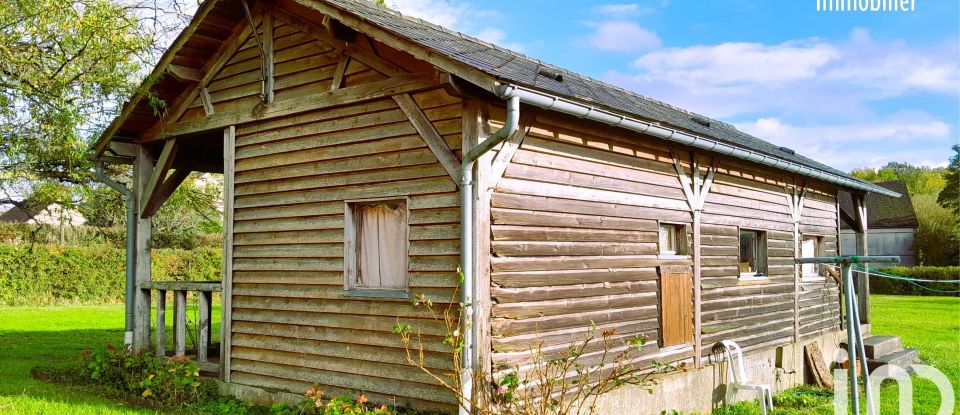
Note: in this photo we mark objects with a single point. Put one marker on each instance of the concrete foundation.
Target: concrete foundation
(701, 390)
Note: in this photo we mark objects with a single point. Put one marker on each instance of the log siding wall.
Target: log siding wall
(292, 325)
(574, 240)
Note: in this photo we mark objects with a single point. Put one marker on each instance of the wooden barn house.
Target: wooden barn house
(365, 152)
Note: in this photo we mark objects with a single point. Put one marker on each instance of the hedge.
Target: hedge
(53, 275)
(879, 285)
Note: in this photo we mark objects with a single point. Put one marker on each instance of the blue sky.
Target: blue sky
(850, 89)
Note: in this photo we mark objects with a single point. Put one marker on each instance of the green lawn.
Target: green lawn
(929, 324)
(57, 335)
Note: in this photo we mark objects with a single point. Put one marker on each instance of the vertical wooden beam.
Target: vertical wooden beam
(179, 322)
(863, 282)
(795, 202)
(229, 155)
(473, 133)
(143, 170)
(268, 54)
(161, 323)
(696, 192)
(203, 325)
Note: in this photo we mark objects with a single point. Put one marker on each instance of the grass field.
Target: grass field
(56, 335)
(928, 324)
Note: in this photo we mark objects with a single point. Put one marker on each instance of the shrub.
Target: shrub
(47, 275)
(167, 382)
(900, 287)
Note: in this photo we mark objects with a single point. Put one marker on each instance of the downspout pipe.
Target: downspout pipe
(470, 353)
(131, 241)
(554, 103)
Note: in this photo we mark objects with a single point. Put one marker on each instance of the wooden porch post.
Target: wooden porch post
(229, 152)
(143, 170)
(863, 283)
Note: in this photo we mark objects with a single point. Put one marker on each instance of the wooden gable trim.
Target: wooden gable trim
(349, 49)
(164, 62)
(226, 51)
(311, 102)
(434, 140)
(184, 74)
(393, 40)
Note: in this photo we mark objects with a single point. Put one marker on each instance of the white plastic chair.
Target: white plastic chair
(737, 378)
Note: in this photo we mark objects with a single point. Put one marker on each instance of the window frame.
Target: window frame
(351, 248)
(680, 240)
(763, 248)
(819, 250)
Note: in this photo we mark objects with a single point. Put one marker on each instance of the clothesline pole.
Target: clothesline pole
(854, 333)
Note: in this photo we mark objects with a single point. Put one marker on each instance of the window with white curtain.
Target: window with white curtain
(376, 244)
(810, 246)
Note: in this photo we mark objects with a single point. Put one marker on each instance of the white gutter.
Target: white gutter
(470, 353)
(554, 103)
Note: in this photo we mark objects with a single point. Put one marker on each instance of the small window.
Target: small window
(810, 246)
(753, 254)
(673, 239)
(375, 249)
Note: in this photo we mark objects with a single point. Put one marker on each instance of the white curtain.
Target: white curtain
(808, 249)
(383, 247)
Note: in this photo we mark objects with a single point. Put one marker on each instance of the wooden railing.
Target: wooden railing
(204, 291)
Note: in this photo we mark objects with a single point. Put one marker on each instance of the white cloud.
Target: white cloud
(909, 137)
(799, 76)
(457, 15)
(617, 9)
(732, 63)
(622, 36)
(621, 10)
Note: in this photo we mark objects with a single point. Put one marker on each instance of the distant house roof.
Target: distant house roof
(512, 67)
(52, 214)
(884, 212)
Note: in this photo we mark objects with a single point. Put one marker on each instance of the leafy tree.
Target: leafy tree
(920, 180)
(950, 195)
(62, 65)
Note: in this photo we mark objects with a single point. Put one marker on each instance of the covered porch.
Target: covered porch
(159, 167)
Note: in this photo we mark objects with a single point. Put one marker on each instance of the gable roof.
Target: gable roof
(884, 211)
(511, 67)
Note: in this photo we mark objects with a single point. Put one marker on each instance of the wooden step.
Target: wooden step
(903, 358)
(877, 346)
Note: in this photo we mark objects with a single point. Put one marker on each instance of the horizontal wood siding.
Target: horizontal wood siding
(761, 314)
(574, 229)
(292, 324)
(574, 242)
(820, 302)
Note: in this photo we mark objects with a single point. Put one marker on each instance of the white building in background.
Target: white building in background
(891, 224)
(53, 214)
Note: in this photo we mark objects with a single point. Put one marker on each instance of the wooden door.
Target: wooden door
(676, 306)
